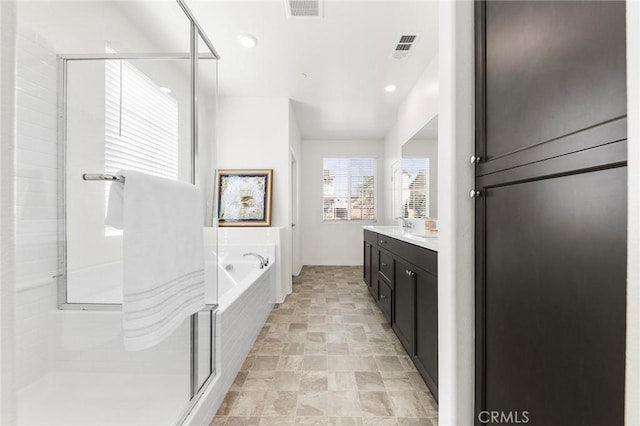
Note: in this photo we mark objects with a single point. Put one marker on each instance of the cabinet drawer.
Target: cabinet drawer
(385, 265)
(370, 237)
(384, 298)
(421, 257)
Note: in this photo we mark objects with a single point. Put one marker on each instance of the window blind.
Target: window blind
(349, 189)
(141, 124)
(415, 187)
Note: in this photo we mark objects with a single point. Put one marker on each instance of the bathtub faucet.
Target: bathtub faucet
(263, 262)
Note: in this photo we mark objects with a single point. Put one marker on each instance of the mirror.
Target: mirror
(416, 178)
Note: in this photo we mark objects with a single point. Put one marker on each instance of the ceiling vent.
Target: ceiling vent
(403, 48)
(303, 8)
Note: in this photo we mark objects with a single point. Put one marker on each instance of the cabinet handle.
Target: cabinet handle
(474, 193)
(382, 241)
(382, 296)
(474, 159)
(384, 264)
(410, 273)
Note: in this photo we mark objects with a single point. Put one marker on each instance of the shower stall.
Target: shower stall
(105, 86)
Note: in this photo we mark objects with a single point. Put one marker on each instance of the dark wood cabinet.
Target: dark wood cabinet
(368, 260)
(404, 284)
(551, 218)
(403, 317)
(385, 298)
(370, 263)
(426, 344)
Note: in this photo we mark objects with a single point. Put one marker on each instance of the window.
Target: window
(348, 189)
(415, 188)
(141, 125)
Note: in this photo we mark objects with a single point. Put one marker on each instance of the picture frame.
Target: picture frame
(244, 197)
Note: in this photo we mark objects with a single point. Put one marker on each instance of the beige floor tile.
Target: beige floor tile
(376, 404)
(312, 421)
(290, 363)
(228, 402)
(281, 403)
(345, 421)
(249, 404)
(312, 404)
(407, 421)
(286, 381)
(389, 363)
(327, 356)
(342, 381)
(314, 381)
(314, 362)
(407, 404)
(265, 362)
(379, 421)
(258, 380)
(369, 381)
(278, 421)
(242, 421)
(344, 403)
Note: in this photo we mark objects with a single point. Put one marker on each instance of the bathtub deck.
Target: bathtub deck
(326, 356)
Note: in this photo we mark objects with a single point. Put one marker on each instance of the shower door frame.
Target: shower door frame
(193, 56)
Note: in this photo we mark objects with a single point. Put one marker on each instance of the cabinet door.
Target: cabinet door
(551, 218)
(404, 297)
(426, 353)
(554, 298)
(368, 253)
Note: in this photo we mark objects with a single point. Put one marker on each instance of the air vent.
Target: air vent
(403, 48)
(303, 8)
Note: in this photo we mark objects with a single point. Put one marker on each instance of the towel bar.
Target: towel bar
(102, 176)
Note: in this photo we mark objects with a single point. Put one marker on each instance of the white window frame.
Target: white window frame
(375, 189)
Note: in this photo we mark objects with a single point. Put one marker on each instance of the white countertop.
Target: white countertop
(416, 237)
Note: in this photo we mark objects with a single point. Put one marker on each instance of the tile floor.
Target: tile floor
(328, 357)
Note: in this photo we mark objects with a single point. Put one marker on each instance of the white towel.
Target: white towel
(163, 255)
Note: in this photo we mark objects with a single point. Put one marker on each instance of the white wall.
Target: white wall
(632, 397)
(334, 243)
(36, 205)
(416, 110)
(420, 105)
(7, 248)
(253, 133)
(455, 224)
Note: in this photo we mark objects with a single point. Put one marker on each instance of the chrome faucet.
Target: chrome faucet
(263, 261)
(405, 223)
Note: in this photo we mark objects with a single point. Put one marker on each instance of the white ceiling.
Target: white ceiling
(346, 54)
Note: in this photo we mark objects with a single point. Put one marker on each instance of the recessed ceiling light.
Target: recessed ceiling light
(165, 90)
(248, 41)
(390, 88)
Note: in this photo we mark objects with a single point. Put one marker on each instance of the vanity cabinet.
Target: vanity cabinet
(404, 314)
(370, 252)
(402, 278)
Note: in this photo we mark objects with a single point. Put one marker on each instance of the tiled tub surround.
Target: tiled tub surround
(327, 356)
(245, 302)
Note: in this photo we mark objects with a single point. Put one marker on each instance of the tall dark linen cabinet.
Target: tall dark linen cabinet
(551, 215)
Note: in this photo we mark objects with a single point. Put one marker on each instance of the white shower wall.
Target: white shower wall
(36, 209)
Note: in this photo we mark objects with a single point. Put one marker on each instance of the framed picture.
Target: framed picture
(244, 197)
